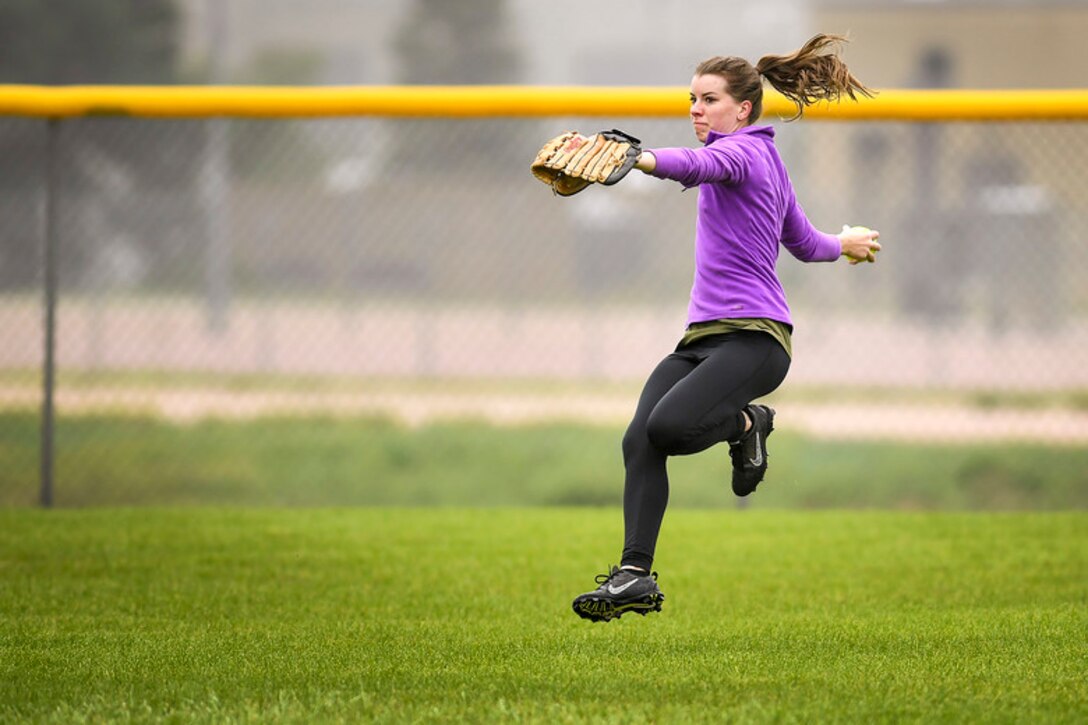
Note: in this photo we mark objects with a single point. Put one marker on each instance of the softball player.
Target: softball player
(736, 347)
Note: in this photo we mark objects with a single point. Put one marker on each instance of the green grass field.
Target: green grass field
(127, 460)
(425, 615)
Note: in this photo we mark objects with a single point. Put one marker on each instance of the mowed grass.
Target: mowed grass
(426, 615)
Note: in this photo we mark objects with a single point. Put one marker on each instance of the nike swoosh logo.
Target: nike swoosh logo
(758, 460)
(618, 590)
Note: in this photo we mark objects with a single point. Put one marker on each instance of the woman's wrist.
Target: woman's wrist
(647, 162)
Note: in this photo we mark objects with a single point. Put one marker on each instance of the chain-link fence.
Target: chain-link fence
(413, 269)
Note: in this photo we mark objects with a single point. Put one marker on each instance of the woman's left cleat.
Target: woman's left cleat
(749, 454)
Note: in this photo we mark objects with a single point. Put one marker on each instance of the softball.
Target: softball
(862, 230)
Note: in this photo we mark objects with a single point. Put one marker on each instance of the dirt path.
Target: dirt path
(487, 343)
(274, 342)
(855, 421)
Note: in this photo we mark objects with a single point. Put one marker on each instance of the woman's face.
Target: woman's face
(714, 109)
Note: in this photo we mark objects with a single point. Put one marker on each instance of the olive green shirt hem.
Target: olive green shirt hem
(780, 331)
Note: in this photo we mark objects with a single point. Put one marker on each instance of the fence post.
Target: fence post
(49, 273)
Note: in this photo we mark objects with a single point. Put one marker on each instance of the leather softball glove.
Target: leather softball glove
(570, 162)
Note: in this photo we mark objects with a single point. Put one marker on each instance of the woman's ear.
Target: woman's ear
(745, 110)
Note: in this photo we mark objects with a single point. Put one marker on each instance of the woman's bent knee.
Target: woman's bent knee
(634, 443)
(667, 435)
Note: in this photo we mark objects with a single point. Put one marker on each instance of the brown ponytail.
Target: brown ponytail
(805, 76)
(809, 75)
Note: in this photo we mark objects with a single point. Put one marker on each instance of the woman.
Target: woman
(737, 344)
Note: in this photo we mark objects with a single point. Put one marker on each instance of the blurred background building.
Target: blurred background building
(983, 43)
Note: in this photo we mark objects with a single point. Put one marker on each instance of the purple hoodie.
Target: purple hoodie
(746, 207)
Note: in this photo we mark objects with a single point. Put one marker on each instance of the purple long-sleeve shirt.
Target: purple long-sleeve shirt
(746, 208)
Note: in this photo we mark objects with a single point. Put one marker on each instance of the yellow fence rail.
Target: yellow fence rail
(514, 101)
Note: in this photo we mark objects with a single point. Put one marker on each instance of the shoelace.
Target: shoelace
(605, 578)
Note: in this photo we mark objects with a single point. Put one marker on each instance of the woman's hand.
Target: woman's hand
(859, 243)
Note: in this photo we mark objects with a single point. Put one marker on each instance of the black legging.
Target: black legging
(692, 400)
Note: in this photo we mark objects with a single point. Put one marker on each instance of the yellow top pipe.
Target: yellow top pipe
(514, 101)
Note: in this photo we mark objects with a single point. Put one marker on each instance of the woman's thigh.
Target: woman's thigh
(702, 407)
(664, 377)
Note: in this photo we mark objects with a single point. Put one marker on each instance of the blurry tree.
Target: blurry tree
(88, 41)
(442, 42)
(277, 149)
(456, 43)
(933, 294)
(60, 42)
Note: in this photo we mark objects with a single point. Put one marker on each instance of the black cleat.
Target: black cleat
(620, 591)
(749, 454)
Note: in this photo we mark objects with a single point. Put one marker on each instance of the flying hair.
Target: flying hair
(811, 74)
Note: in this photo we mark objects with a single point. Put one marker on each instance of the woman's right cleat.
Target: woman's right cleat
(620, 591)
